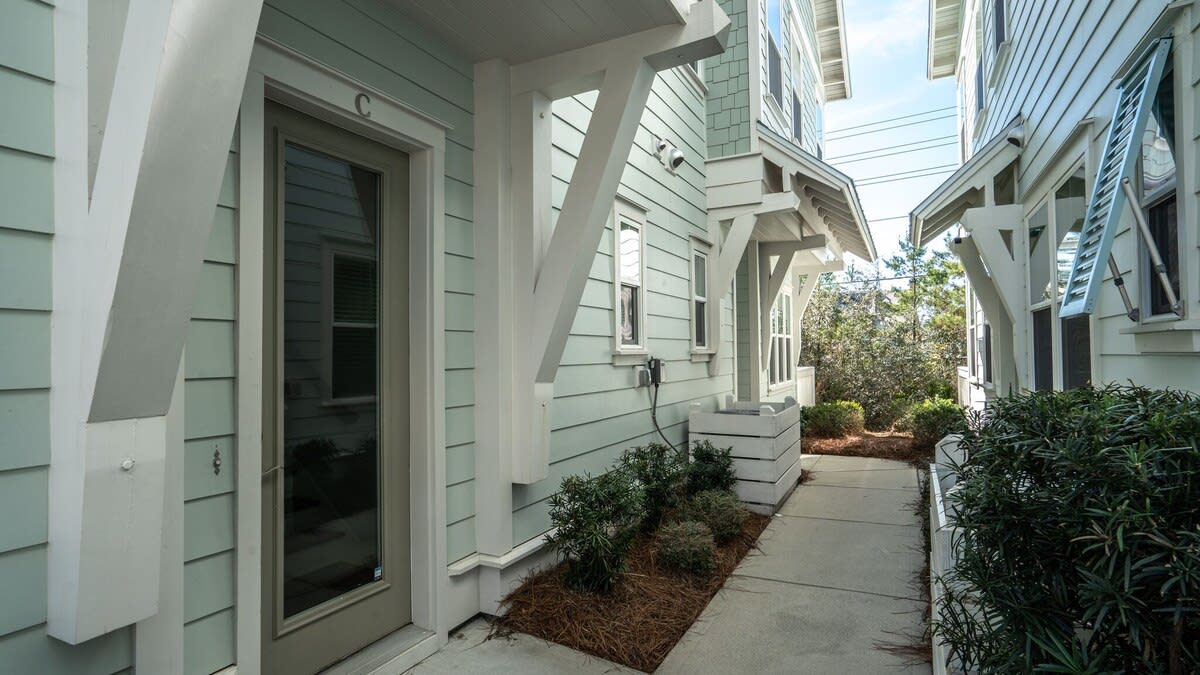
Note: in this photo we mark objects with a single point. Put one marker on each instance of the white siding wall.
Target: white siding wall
(1064, 56)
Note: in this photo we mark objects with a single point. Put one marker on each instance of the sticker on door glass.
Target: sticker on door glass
(378, 572)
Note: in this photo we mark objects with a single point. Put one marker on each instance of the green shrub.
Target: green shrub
(711, 468)
(660, 471)
(833, 419)
(720, 510)
(932, 419)
(596, 520)
(1079, 544)
(688, 546)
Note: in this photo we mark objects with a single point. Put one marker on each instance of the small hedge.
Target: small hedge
(720, 510)
(833, 419)
(711, 468)
(1079, 546)
(932, 419)
(597, 520)
(660, 471)
(687, 546)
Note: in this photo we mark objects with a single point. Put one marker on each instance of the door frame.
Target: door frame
(285, 76)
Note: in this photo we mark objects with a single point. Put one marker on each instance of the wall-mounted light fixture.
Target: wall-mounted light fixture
(670, 156)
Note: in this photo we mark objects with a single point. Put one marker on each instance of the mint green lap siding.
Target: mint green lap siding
(26, 37)
(31, 651)
(26, 191)
(597, 413)
(209, 426)
(24, 270)
(372, 41)
(24, 429)
(27, 108)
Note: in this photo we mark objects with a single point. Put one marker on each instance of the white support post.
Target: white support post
(1005, 337)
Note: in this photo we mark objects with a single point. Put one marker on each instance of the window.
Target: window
(1039, 256)
(797, 120)
(979, 86)
(774, 49)
(353, 324)
(629, 265)
(781, 367)
(1000, 30)
(1043, 351)
(700, 296)
(1076, 332)
(1159, 198)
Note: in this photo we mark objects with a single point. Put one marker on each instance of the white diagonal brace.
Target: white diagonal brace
(782, 247)
(1005, 333)
(586, 207)
(1007, 267)
(773, 282)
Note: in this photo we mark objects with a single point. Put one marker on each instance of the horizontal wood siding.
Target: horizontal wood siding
(375, 43)
(1054, 94)
(26, 224)
(597, 412)
(209, 529)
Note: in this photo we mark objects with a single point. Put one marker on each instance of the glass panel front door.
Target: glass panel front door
(336, 511)
(331, 536)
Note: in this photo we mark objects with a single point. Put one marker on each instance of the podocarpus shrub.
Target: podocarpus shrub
(934, 418)
(660, 471)
(711, 468)
(1079, 546)
(720, 510)
(597, 520)
(687, 545)
(833, 419)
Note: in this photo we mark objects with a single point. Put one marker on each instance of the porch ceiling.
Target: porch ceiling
(945, 26)
(522, 30)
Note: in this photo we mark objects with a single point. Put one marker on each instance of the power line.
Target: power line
(881, 220)
(901, 152)
(898, 126)
(902, 173)
(891, 119)
(892, 147)
(896, 180)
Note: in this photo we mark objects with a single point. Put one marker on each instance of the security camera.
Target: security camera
(674, 159)
(660, 146)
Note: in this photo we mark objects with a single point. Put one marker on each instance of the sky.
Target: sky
(887, 52)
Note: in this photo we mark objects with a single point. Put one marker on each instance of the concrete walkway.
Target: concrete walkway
(832, 582)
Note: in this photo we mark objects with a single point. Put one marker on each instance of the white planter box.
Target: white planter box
(765, 440)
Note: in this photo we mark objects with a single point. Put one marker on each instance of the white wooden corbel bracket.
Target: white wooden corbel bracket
(126, 268)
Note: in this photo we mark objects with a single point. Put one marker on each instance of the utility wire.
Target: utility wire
(883, 148)
(891, 119)
(898, 152)
(880, 220)
(903, 173)
(896, 180)
(898, 126)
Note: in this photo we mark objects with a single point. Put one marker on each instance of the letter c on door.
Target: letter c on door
(360, 103)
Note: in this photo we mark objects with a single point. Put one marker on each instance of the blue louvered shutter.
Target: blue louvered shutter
(1135, 95)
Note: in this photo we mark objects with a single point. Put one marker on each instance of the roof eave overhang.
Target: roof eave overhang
(945, 34)
(834, 53)
(965, 188)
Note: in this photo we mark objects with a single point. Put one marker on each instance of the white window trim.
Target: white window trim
(625, 210)
(331, 247)
(784, 301)
(695, 76)
(700, 247)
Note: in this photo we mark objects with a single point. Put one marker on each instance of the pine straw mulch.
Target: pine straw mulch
(884, 445)
(643, 617)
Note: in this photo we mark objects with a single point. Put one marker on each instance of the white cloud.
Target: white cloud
(880, 29)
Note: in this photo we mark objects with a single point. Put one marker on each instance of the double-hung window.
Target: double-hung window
(781, 367)
(700, 312)
(999, 27)
(1159, 200)
(629, 272)
(775, 50)
(350, 344)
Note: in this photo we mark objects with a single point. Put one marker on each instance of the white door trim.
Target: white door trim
(291, 78)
